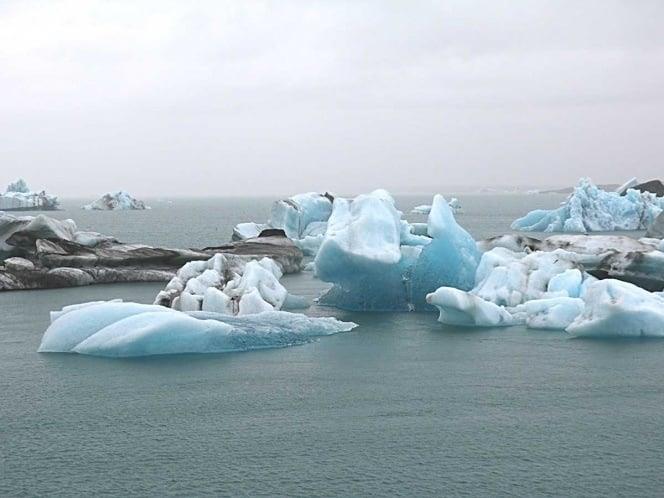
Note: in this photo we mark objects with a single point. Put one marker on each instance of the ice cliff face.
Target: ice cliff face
(591, 209)
(113, 201)
(18, 196)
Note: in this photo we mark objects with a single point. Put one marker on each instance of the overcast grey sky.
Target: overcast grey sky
(232, 97)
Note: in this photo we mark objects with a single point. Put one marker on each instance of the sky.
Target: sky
(218, 98)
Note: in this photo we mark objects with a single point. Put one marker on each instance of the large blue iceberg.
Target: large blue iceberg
(591, 209)
(117, 329)
(376, 262)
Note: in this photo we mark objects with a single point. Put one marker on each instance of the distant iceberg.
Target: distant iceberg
(113, 201)
(591, 209)
(117, 329)
(376, 262)
(19, 197)
(426, 208)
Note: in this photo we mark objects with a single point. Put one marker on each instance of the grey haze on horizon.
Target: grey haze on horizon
(166, 98)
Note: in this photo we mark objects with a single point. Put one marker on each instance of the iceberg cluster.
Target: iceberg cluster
(376, 262)
(112, 201)
(550, 290)
(19, 197)
(228, 284)
(591, 209)
(302, 217)
(117, 329)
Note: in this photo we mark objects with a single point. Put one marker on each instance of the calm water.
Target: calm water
(401, 406)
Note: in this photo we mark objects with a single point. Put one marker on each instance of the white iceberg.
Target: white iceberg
(591, 209)
(18, 197)
(302, 217)
(116, 329)
(454, 204)
(228, 284)
(619, 309)
(113, 201)
(376, 263)
(538, 289)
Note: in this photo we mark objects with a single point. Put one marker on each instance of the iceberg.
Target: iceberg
(227, 284)
(619, 309)
(591, 209)
(302, 217)
(538, 289)
(376, 263)
(454, 204)
(656, 228)
(120, 330)
(19, 197)
(116, 201)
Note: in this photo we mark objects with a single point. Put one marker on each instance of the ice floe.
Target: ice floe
(117, 329)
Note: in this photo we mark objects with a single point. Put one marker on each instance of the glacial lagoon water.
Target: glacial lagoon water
(401, 406)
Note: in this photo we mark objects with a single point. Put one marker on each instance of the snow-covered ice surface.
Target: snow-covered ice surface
(113, 201)
(376, 262)
(19, 196)
(117, 329)
(619, 309)
(591, 209)
(228, 284)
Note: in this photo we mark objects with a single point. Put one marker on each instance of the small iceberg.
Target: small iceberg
(19, 197)
(116, 201)
(619, 309)
(454, 204)
(120, 330)
(591, 209)
(302, 217)
(230, 285)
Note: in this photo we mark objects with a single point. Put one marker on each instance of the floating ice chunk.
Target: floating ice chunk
(293, 215)
(376, 263)
(422, 209)
(199, 285)
(131, 329)
(591, 209)
(553, 313)
(615, 308)
(243, 231)
(458, 307)
(508, 278)
(113, 201)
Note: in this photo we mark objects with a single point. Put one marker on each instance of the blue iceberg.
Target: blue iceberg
(591, 209)
(116, 329)
(376, 262)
